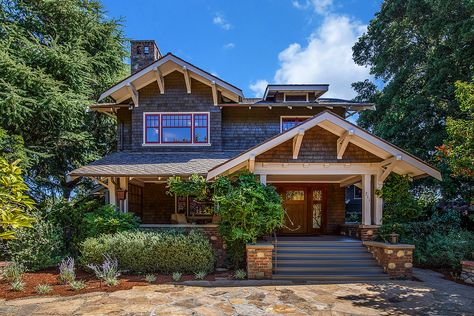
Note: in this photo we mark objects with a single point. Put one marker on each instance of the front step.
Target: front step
(315, 258)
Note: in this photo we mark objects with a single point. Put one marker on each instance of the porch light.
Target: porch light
(394, 238)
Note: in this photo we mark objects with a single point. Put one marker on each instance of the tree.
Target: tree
(56, 57)
(418, 48)
(14, 203)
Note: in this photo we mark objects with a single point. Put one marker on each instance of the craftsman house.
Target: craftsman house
(175, 119)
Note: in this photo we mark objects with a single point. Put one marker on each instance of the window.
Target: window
(152, 129)
(357, 193)
(290, 122)
(176, 128)
(146, 50)
(302, 97)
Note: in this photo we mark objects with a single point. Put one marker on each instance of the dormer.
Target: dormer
(291, 93)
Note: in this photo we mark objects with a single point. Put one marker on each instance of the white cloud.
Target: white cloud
(326, 58)
(319, 6)
(221, 21)
(229, 46)
(259, 87)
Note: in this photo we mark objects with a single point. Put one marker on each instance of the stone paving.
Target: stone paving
(433, 296)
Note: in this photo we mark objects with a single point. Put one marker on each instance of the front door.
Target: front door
(305, 208)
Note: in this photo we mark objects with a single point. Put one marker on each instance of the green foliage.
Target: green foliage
(248, 210)
(195, 186)
(150, 278)
(200, 275)
(17, 285)
(77, 285)
(12, 148)
(143, 252)
(107, 220)
(14, 203)
(177, 276)
(43, 288)
(39, 247)
(56, 57)
(240, 274)
(13, 271)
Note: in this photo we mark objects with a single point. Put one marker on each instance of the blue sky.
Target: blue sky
(250, 43)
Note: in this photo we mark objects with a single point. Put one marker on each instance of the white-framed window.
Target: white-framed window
(287, 122)
(176, 128)
(295, 97)
(357, 193)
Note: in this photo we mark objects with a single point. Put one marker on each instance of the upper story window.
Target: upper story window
(176, 128)
(288, 122)
(146, 50)
(295, 97)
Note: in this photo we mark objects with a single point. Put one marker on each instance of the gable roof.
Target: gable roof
(337, 125)
(119, 91)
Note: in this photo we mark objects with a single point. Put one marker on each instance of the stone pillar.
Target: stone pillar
(396, 259)
(366, 199)
(367, 232)
(259, 261)
(467, 273)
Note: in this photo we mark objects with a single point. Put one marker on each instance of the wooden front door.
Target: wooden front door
(305, 208)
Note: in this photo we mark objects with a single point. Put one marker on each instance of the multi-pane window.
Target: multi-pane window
(290, 122)
(179, 128)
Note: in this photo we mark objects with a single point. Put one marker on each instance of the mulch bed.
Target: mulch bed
(50, 277)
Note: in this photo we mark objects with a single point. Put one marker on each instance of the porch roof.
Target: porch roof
(139, 164)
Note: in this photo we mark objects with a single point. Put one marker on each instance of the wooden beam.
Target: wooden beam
(252, 163)
(214, 92)
(297, 140)
(387, 171)
(349, 181)
(133, 92)
(159, 80)
(310, 107)
(187, 79)
(390, 160)
(342, 143)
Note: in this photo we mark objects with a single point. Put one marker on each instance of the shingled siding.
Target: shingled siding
(176, 99)
(319, 145)
(157, 205)
(124, 129)
(335, 208)
(243, 128)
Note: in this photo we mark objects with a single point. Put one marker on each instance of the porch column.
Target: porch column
(263, 179)
(112, 193)
(366, 199)
(378, 204)
(123, 183)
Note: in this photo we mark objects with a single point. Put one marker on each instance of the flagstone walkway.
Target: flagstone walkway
(433, 296)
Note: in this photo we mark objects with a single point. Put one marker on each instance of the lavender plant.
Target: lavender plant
(177, 276)
(200, 275)
(67, 270)
(108, 271)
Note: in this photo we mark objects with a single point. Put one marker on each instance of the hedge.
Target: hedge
(140, 251)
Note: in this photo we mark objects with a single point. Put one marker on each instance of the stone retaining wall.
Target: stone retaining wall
(259, 261)
(467, 273)
(396, 259)
(362, 232)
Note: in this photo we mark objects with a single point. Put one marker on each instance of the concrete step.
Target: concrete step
(332, 277)
(321, 253)
(324, 264)
(319, 248)
(328, 270)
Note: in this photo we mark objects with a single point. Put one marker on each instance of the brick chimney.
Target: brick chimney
(143, 53)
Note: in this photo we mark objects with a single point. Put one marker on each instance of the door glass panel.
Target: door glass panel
(317, 215)
(317, 195)
(294, 195)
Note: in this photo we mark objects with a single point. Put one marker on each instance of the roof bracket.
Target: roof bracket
(134, 93)
(297, 140)
(343, 142)
(214, 92)
(386, 172)
(187, 79)
(159, 80)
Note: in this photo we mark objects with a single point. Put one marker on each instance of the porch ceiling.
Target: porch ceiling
(307, 178)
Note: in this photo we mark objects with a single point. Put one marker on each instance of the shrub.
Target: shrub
(144, 252)
(67, 271)
(18, 285)
(43, 288)
(200, 275)
(108, 271)
(39, 247)
(77, 285)
(240, 274)
(177, 276)
(150, 278)
(106, 220)
(13, 271)
(248, 211)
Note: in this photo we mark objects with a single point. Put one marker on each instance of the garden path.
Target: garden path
(433, 296)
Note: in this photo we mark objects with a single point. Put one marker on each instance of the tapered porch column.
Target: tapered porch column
(112, 191)
(366, 199)
(378, 203)
(123, 183)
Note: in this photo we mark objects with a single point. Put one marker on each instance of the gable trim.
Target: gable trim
(330, 117)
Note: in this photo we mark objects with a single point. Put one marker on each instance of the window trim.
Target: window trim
(160, 143)
(354, 193)
(291, 116)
